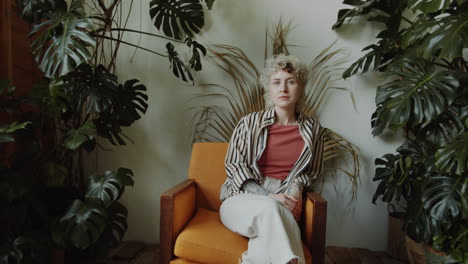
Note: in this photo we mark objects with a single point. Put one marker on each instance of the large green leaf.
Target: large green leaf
(372, 7)
(179, 68)
(419, 224)
(177, 18)
(129, 103)
(35, 10)
(116, 226)
(84, 223)
(61, 43)
(444, 36)
(6, 130)
(74, 138)
(453, 158)
(92, 89)
(446, 126)
(418, 95)
(109, 187)
(195, 60)
(429, 6)
(396, 173)
(443, 197)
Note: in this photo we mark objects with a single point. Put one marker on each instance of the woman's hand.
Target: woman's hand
(293, 204)
(297, 210)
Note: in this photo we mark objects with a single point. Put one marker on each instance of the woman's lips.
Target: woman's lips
(283, 97)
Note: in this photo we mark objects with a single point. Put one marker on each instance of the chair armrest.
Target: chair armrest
(315, 225)
(177, 208)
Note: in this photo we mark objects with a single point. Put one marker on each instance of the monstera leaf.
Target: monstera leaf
(74, 138)
(362, 7)
(35, 10)
(195, 61)
(179, 68)
(446, 126)
(131, 103)
(430, 6)
(127, 104)
(117, 225)
(6, 130)
(453, 158)
(419, 95)
(177, 18)
(443, 197)
(92, 88)
(84, 223)
(444, 36)
(61, 42)
(109, 186)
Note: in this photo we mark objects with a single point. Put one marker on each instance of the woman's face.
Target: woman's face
(285, 89)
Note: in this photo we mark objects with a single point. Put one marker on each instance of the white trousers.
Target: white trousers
(274, 236)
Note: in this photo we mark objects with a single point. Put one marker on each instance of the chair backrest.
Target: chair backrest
(208, 171)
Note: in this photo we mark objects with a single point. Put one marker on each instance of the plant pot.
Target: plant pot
(396, 237)
(419, 253)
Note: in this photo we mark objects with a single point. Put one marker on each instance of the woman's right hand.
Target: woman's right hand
(287, 200)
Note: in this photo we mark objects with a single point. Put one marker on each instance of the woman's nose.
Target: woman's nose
(283, 88)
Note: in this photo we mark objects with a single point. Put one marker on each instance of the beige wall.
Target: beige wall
(159, 157)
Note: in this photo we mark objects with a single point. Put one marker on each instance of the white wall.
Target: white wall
(160, 155)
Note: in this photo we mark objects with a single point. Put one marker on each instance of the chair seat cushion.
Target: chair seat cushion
(206, 240)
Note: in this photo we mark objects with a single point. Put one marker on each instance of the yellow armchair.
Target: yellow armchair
(191, 230)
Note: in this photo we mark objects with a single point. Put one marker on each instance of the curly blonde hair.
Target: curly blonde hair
(282, 62)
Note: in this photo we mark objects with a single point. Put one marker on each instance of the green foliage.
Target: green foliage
(109, 186)
(96, 91)
(35, 10)
(46, 200)
(417, 95)
(178, 67)
(6, 130)
(74, 138)
(85, 222)
(177, 18)
(453, 158)
(425, 94)
(59, 54)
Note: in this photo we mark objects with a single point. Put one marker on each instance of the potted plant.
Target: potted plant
(425, 94)
(47, 201)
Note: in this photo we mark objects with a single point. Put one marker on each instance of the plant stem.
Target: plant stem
(147, 33)
(133, 45)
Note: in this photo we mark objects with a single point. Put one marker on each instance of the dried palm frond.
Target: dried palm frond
(246, 97)
(279, 37)
(217, 122)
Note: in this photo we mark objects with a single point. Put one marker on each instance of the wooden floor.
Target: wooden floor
(341, 255)
(141, 253)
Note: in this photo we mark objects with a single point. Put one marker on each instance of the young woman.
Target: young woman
(273, 156)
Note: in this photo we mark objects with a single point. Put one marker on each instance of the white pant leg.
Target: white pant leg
(274, 236)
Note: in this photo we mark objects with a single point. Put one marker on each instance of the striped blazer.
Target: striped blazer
(248, 142)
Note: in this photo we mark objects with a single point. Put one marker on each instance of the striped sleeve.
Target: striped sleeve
(316, 162)
(236, 162)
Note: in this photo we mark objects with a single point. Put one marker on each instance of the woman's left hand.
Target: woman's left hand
(297, 210)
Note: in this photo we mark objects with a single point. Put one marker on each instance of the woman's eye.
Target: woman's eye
(292, 82)
(276, 83)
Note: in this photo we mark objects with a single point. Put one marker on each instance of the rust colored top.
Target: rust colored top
(283, 148)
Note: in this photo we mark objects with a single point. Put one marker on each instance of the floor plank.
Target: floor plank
(341, 255)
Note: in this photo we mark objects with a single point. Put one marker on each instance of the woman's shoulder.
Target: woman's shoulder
(312, 123)
(254, 116)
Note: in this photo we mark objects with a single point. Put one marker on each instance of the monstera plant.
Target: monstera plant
(425, 94)
(47, 202)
